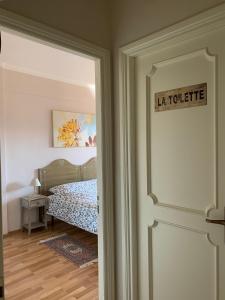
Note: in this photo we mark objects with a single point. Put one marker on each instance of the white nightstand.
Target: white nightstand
(31, 202)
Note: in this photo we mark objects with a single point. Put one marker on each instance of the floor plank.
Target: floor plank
(33, 271)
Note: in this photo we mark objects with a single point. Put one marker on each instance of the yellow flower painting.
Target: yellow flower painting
(74, 129)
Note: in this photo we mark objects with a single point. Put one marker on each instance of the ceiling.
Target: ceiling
(28, 56)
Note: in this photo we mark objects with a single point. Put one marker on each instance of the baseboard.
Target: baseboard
(11, 232)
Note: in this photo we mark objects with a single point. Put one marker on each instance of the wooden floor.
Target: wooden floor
(33, 271)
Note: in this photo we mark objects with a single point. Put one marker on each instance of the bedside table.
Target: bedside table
(29, 203)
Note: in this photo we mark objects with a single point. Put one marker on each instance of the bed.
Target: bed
(72, 192)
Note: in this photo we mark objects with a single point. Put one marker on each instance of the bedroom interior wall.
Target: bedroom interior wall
(2, 149)
(29, 101)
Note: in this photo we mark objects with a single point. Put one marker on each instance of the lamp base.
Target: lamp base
(36, 190)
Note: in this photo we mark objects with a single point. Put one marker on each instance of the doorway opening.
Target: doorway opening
(49, 169)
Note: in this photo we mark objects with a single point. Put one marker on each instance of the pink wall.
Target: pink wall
(29, 101)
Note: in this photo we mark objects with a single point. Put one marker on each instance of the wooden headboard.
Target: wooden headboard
(61, 171)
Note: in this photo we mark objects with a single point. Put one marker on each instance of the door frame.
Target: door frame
(58, 39)
(197, 26)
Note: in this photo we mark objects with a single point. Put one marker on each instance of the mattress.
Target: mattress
(76, 204)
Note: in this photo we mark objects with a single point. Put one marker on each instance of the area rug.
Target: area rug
(73, 249)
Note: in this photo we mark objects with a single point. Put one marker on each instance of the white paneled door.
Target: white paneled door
(180, 156)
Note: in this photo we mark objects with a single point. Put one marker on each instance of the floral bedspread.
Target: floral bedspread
(76, 203)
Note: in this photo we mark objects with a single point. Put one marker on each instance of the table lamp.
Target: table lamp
(37, 184)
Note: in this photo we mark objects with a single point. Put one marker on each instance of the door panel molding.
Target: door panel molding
(205, 238)
(194, 27)
(58, 39)
(213, 201)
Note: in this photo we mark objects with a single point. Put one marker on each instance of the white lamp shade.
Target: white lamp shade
(37, 182)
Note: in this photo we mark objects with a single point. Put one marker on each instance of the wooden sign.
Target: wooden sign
(193, 95)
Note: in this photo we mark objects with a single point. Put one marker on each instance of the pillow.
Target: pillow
(75, 187)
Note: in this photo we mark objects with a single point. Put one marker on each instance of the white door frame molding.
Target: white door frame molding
(49, 36)
(196, 26)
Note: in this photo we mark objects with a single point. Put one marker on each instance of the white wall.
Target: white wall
(87, 19)
(133, 19)
(2, 149)
(21, 53)
(29, 101)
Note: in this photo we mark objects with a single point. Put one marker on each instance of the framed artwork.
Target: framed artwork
(73, 129)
